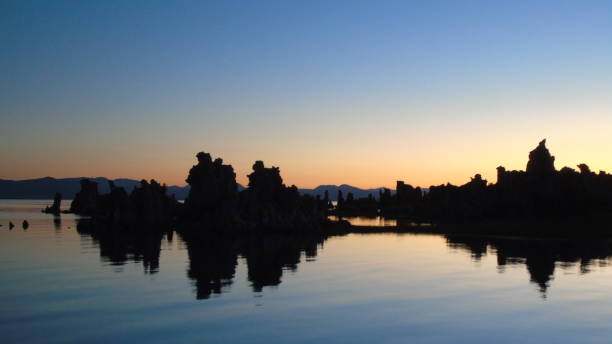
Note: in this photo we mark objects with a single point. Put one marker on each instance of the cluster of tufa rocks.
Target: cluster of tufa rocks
(538, 192)
(146, 205)
(213, 202)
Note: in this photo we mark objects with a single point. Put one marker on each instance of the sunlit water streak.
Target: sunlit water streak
(59, 285)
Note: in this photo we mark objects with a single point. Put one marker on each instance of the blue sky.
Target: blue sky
(322, 88)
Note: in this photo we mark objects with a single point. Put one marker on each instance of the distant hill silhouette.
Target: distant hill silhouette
(45, 188)
(332, 190)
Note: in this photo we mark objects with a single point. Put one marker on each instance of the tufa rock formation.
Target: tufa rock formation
(268, 204)
(540, 192)
(55, 208)
(541, 163)
(86, 200)
(213, 196)
(147, 206)
(214, 203)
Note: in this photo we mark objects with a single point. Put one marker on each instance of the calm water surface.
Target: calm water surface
(62, 282)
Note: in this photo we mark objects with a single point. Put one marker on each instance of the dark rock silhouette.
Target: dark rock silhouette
(214, 202)
(86, 201)
(367, 206)
(541, 163)
(25, 224)
(268, 204)
(11, 225)
(213, 194)
(147, 205)
(541, 192)
(55, 208)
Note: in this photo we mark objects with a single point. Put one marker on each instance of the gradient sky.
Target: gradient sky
(357, 92)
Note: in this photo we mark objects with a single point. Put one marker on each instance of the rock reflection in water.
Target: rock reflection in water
(212, 263)
(213, 259)
(540, 256)
(120, 247)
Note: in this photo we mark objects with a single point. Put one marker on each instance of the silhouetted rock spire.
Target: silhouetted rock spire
(541, 163)
(55, 208)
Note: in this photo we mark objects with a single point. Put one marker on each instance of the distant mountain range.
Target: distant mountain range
(333, 191)
(45, 188)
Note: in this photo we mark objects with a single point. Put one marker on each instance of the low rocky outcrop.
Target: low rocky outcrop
(147, 205)
(55, 208)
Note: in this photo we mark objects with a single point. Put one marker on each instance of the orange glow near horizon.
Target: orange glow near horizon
(436, 162)
(372, 152)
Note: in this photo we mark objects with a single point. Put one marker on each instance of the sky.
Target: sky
(357, 92)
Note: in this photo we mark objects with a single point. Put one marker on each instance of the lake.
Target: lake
(64, 281)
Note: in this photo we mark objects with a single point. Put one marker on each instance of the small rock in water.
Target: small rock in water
(25, 224)
(55, 208)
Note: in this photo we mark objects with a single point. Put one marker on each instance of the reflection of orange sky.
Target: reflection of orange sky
(435, 154)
